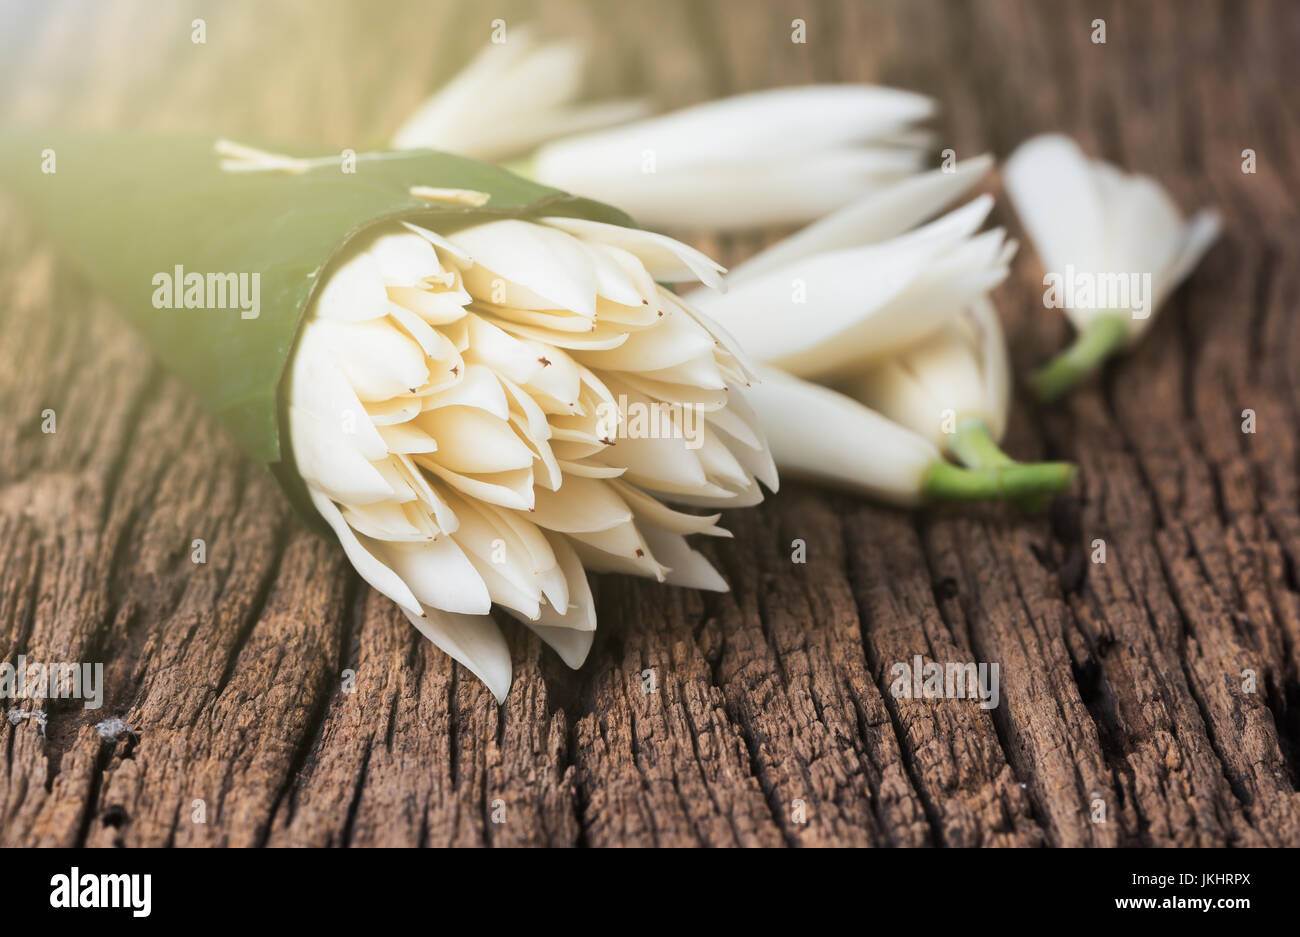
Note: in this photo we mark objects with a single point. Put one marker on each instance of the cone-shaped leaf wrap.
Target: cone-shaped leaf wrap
(128, 207)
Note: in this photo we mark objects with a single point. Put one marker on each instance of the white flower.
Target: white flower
(464, 409)
(511, 97)
(822, 314)
(770, 157)
(1113, 245)
(894, 322)
(939, 385)
(823, 435)
(783, 156)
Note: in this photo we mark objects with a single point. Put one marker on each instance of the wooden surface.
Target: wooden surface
(1120, 683)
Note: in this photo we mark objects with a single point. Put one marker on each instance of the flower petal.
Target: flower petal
(822, 435)
(439, 574)
(665, 259)
(474, 641)
(875, 217)
(363, 561)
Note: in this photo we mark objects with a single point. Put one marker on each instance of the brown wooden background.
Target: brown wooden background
(1120, 682)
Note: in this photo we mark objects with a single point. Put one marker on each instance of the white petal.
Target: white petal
(558, 381)
(662, 465)
(407, 439)
(524, 131)
(876, 217)
(580, 611)
(472, 441)
(576, 614)
(531, 551)
(392, 412)
(599, 338)
(353, 291)
(507, 574)
(665, 259)
(452, 118)
(403, 258)
(548, 264)
(676, 339)
(510, 489)
(720, 466)
(1051, 184)
(738, 197)
(997, 370)
(758, 462)
(478, 387)
(819, 434)
(1098, 220)
(389, 470)
(378, 360)
(505, 355)
(621, 550)
(739, 421)
(555, 320)
(613, 282)
(442, 243)
(327, 460)
(718, 143)
(798, 316)
(687, 567)
(581, 505)
(432, 342)
(658, 514)
(473, 640)
(1143, 227)
(782, 120)
(892, 390)
(434, 308)
(415, 479)
(573, 646)
(584, 470)
(371, 569)
(439, 575)
(387, 520)
(319, 387)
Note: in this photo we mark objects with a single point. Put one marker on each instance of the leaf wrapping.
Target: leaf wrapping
(127, 207)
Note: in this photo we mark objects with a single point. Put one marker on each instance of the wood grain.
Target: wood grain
(1120, 682)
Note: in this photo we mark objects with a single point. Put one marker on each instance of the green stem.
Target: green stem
(974, 447)
(944, 481)
(1099, 339)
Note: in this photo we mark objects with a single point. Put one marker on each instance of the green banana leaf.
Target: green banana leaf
(126, 208)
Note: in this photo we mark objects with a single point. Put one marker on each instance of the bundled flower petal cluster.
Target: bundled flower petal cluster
(483, 416)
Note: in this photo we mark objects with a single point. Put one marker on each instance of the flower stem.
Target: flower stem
(974, 446)
(1097, 341)
(944, 481)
